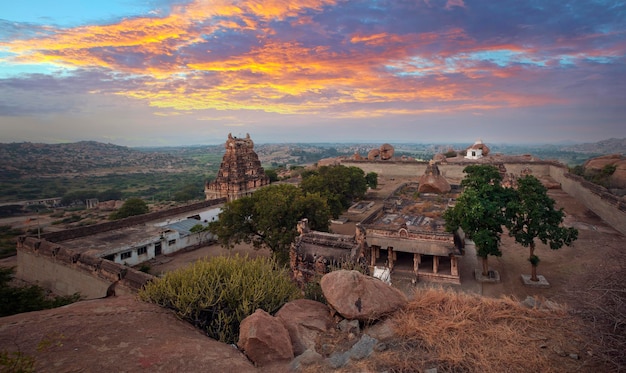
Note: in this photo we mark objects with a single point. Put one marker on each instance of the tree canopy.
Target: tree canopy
(371, 179)
(132, 207)
(340, 185)
(532, 216)
(268, 218)
(479, 211)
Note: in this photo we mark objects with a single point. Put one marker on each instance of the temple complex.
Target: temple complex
(240, 173)
(408, 235)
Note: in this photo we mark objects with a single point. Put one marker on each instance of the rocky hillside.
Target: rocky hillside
(19, 159)
(609, 146)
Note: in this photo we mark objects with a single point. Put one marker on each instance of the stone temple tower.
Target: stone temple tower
(240, 173)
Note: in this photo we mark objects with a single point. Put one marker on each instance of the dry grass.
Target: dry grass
(602, 302)
(457, 332)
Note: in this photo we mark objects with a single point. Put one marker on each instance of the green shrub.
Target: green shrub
(216, 294)
(16, 362)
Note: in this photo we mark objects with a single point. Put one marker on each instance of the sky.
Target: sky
(183, 72)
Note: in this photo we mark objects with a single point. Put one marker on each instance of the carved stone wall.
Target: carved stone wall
(240, 173)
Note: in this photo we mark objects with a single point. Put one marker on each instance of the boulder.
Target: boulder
(618, 178)
(115, 334)
(305, 319)
(357, 296)
(264, 339)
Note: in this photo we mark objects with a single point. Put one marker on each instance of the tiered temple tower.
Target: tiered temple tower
(240, 173)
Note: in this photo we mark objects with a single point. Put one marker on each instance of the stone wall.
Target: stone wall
(610, 208)
(65, 271)
(453, 172)
(89, 230)
(596, 198)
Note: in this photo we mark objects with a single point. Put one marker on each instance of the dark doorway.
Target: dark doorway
(157, 249)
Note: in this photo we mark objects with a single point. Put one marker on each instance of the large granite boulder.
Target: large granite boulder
(264, 339)
(357, 296)
(305, 319)
(116, 334)
(618, 178)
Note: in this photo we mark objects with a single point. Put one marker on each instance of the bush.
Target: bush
(215, 295)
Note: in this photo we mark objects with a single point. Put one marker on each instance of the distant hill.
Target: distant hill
(610, 146)
(36, 159)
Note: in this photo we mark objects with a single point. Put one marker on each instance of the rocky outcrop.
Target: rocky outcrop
(618, 178)
(264, 339)
(432, 181)
(116, 334)
(305, 320)
(357, 296)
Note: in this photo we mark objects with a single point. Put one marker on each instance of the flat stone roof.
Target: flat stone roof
(419, 212)
(99, 243)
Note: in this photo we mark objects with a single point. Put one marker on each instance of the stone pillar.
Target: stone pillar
(435, 263)
(417, 258)
(390, 257)
(374, 254)
(454, 266)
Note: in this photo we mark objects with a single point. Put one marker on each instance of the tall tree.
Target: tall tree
(340, 185)
(132, 207)
(371, 179)
(268, 218)
(479, 211)
(532, 216)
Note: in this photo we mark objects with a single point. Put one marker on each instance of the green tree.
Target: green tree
(479, 211)
(110, 195)
(268, 218)
(340, 185)
(371, 179)
(272, 174)
(188, 192)
(532, 216)
(132, 207)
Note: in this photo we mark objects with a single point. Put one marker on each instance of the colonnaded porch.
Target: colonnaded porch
(426, 267)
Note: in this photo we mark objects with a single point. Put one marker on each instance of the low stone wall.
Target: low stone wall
(596, 198)
(89, 230)
(65, 271)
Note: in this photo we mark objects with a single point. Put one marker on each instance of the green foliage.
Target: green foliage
(532, 215)
(15, 300)
(272, 174)
(145, 268)
(450, 154)
(340, 185)
(216, 295)
(132, 207)
(269, 217)
(372, 180)
(600, 177)
(479, 211)
(16, 362)
(110, 195)
(534, 260)
(188, 192)
(8, 240)
(78, 197)
(197, 228)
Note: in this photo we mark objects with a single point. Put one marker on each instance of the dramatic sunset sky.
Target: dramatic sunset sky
(178, 72)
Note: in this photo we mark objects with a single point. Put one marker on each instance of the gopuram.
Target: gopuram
(240, 172)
